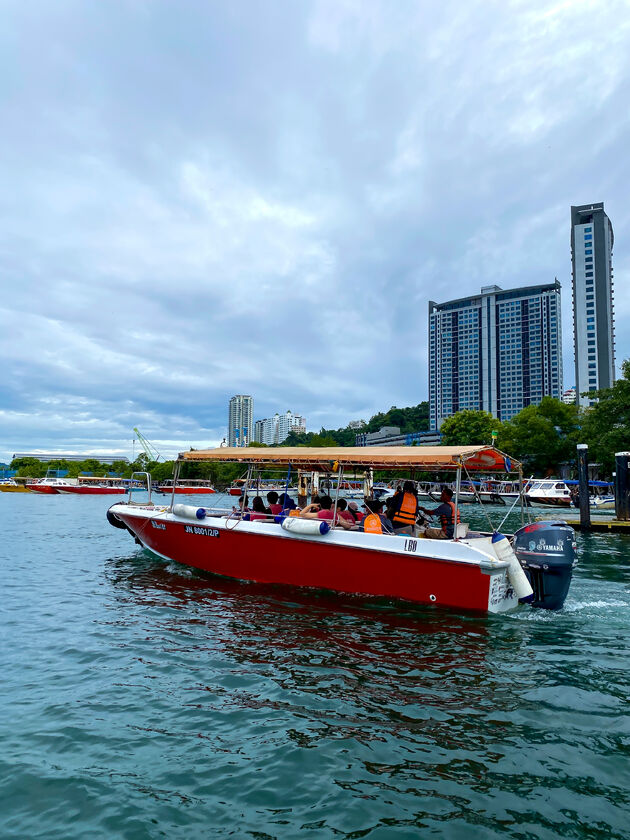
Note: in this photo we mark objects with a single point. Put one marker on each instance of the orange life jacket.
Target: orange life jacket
(408, 511)
(446, 521)
(372, 524)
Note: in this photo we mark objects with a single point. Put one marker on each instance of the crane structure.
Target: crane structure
(149, 450)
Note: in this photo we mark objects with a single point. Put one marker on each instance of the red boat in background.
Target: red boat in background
(49, 485)
(90, 485)
(91, 490)
(187, 487)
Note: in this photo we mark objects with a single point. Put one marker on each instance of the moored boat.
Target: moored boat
(548, 493)
(187, 487)
(472, 571)
(92, 490)
(49, 485)
(8, 485)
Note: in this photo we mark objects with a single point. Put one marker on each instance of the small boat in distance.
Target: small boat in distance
(548, 493)
(8, 485)
(186, 487)
(51, 485)
(259, 487)
(88, 485)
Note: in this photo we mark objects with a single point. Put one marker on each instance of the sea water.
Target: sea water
(141, 699)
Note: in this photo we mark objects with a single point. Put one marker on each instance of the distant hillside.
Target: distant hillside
(415, 418)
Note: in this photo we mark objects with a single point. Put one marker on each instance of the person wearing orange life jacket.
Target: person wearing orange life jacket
(374, 522)
(404, 511)
(446, 512)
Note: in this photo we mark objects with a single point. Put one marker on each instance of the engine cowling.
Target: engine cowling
(546, 551)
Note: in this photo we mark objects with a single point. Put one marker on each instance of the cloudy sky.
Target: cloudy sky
(203, 198)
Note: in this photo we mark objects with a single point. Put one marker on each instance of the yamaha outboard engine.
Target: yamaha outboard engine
(546, 551)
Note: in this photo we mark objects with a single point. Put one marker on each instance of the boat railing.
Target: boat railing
(132, 484)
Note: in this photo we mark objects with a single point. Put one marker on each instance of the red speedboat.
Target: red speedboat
(472, 571)
(48, 485)
(92, 490)
(188, 487)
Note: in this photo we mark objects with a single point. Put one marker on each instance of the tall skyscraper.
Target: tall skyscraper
(498, 351)
(593, 314)
(240, 420)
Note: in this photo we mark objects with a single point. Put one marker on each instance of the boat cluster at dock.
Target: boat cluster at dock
(92, 486)
(486, 571)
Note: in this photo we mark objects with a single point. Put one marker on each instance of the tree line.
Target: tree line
(544, 436)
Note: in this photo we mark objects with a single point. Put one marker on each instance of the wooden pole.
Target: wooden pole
(585, 503)
(302, 488)
(622, 485)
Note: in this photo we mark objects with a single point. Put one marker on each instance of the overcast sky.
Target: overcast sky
(203, 198)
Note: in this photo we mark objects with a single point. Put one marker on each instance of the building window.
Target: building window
(588, 250)
(588, 230)
(589, 273)
(588, 236)
(590, 320)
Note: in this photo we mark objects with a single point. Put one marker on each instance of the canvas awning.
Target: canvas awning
(329, 459)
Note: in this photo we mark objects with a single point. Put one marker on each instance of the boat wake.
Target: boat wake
(597, 605)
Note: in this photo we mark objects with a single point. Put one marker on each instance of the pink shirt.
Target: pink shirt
(347, 516)
(275, 509)
(325, 514)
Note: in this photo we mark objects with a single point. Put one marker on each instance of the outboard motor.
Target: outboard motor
(546, 551)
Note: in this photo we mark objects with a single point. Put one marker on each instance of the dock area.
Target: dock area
(618, 526)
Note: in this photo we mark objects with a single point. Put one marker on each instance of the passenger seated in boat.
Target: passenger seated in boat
(446, 512)
(323, 510)
(344, 513)
(242, 505)
(353, 509)
(374, 522)
(286, 502)
(258, 511)
(272, 501)
(404, 511)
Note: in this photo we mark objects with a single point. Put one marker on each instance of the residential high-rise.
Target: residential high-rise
(593, 314)
(275, 430)
(498, 351)
(240, 420)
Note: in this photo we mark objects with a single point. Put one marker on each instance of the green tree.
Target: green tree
(467, 428)
(28, 467)
(412, 419)
(542, 436)
(606, 426)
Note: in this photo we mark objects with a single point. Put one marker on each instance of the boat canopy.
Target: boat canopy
(329, 459)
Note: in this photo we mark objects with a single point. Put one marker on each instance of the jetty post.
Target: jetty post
(368, 483)
(622, 486)
(585, 504)
(303, 477)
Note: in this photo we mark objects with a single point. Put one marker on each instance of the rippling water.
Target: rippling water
(142, 700)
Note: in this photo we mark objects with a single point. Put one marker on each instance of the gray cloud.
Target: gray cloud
(204, 200)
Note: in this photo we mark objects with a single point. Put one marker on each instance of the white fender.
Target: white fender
(516, 575)
(189, 511)
(313, 527)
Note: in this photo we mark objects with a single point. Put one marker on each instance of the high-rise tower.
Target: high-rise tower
(498, 351)
(593, 313)
(240, 420)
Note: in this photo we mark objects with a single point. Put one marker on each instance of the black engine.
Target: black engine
(546, 551)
